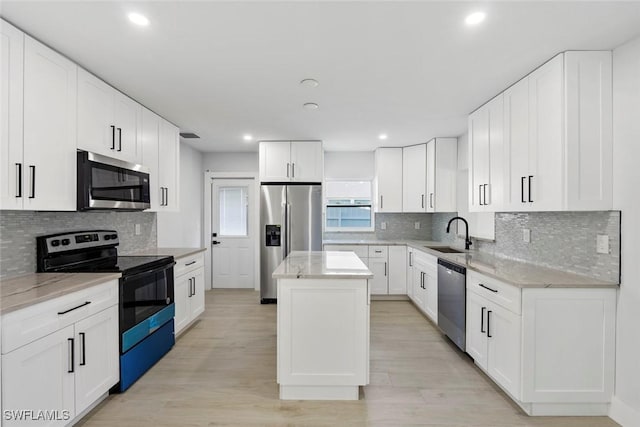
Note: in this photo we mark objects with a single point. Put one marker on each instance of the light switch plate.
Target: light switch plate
(602, 244)
(138, 230)
(383, 225)
(417, 225)
(526, 235)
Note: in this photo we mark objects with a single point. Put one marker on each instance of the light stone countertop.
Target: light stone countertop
(516, 273)
(23, 291)
(322, 265)
(176, 253)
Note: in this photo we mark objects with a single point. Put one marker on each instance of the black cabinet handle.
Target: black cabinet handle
(422, 203)
(74, 308)
(522, 189)
(194, 286)
(480, 194)
(83, 358)
(431, 200)
(530, 178)
(489, 323)
(381, 204)
(288, 166)
(385, 268)
(484, 193)
(18, 179)
(113, 137)
(190, 263)
(72, 352)
(293, 170)
(119, 139)
(482, 319)
(410, 259)
(189, 288)
(488, 288)
(32, 168)
(422, 280)
(166, 199)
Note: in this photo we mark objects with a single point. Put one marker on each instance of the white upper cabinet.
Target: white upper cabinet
(169, 166)
(388, 180)
(486, 157)
(11, 101)
(414, 178)
(557, 137)
(291, 161)
(442, 169)
(49, 139)
(149, 142)
(108, 121)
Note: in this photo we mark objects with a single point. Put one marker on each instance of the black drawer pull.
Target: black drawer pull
(83, 358)
(190, 263)
(489, 324)
(72, 353)
(488, 288)
(482, 319)
(75, 308)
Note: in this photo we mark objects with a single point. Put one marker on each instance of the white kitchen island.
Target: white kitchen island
(323, 325)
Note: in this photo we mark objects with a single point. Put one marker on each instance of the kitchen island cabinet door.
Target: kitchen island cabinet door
(97, 357)
(50, 82)
(37, 377)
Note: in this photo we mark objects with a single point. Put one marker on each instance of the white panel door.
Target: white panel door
(516, 140)
(275, 161)
(149, 142)
(182, 291)
(414, 178)
(503, 348)
(97, 356)
(388, 180)
(127, 119)
(379, 285)
(431, 176)
(476, 343)
(233, 239)
(12, 188)
(40, 376)
(96, 121)
(431, 294)
(306, 161)
(397, 270)
(169, 166)
(544, 181)
(50, 83)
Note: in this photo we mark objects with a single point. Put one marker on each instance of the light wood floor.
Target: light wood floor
(223, 370)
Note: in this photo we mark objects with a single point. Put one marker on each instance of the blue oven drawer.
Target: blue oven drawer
(145, 328)
(143, 356)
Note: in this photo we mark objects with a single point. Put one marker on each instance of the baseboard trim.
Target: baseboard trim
(623, 414)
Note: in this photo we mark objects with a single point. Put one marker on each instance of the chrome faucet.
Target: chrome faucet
(467, 240)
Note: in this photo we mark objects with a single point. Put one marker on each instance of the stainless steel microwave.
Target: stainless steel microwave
(105, 183)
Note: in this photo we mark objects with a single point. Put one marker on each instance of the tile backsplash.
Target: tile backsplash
(398, 226)
(19, 229)
(560, 240)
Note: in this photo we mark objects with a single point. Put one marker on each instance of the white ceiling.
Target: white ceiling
(412, 70)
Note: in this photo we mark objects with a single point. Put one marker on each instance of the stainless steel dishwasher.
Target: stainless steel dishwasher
(452, 302)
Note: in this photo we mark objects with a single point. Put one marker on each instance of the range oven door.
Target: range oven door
(144, 294)
(106, 183)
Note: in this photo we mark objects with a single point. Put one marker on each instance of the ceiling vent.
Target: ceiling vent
(189, 135)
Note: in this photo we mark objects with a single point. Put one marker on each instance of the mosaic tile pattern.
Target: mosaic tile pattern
(19, 229)
(561, 240)
(399, 226)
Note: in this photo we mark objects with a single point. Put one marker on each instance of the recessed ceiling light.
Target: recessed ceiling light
(247, 137)
(311, 106)
(475, 18)
(382, 136)
(138, 19)
(309, 82)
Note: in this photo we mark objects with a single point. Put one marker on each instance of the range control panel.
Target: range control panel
(272, 235)
(80, 240)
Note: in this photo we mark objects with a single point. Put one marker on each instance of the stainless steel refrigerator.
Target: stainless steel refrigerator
(290, 220)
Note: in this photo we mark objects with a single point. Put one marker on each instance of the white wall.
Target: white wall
(184, 229)
(349, 165)
(230, 162)
(626, 188)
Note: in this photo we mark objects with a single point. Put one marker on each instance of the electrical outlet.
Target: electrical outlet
(417, 225)
(526, 235)
(383, 225)
(602, 244)
(138, 230)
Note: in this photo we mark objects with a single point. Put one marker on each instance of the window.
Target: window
(348, 206)
(233, 211)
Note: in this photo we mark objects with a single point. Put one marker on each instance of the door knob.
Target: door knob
(215, 242)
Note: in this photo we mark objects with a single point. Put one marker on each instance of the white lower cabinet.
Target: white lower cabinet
(550, 349)
(66, 369)
(379, 283)
(425, 284)
(188, 290)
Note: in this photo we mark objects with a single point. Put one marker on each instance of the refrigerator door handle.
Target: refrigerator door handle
(288, 237)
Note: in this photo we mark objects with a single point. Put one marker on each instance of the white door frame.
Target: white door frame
(255, 218)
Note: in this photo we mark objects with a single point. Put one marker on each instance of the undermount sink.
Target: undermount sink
(445, 249)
